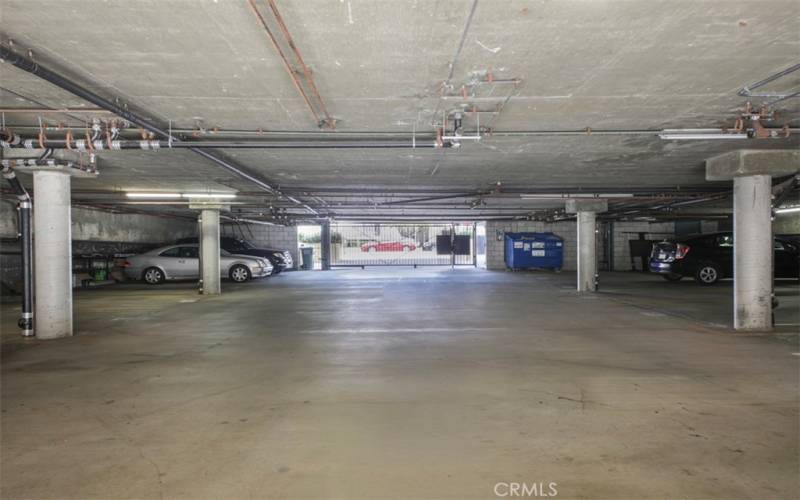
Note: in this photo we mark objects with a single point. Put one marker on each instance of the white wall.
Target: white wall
(278, 237)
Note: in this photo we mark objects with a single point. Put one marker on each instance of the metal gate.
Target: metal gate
(361, 244)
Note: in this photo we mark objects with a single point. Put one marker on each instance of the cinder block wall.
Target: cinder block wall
(495, 256)
(278, 237)
(626, 231)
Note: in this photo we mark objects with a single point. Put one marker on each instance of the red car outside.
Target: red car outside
(388, 246)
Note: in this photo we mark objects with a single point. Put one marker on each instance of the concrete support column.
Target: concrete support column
(587, 252)
(752, 252)
(325, 245)
(209, 251)
(751, 171)
(52, 243)
(586, 211)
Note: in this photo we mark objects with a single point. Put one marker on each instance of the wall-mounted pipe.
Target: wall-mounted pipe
(58, 80)
(26, 251)
(14, 141)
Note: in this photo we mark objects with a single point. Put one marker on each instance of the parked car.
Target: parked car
(388, 246)
(709, 258)
(280, 259)
(178, 262)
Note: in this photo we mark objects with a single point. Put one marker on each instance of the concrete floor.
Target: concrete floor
(401, 384)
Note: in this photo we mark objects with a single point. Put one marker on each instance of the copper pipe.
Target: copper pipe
(306, 72)
(53, 110)
(288, 68)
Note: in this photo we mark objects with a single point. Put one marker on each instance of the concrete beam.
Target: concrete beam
(589, 205)
(745, 162)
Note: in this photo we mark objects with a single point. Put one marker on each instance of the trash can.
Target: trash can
(534, 250)
(308, 258)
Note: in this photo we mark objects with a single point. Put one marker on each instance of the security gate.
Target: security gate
(361, 244)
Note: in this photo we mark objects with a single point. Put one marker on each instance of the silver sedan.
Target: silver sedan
(179, 262)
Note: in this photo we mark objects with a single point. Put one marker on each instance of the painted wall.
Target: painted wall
(278, 237)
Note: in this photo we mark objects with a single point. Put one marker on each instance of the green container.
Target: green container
(100, 274)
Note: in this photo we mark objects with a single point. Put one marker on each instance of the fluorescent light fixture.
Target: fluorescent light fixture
(153, 195)
(567, 196)
(787, 210)
(697, 135)
(209, 195)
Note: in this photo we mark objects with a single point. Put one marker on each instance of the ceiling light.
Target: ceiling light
(566, 196)
(787, 210)
(209, 195)
(679, 135)
(153, 195)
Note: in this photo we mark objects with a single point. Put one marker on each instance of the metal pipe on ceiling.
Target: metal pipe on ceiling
(149, 145)
(327, 121)
(747, 90)
(58, 80)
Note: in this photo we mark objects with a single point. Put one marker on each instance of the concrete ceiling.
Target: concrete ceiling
(381, 66)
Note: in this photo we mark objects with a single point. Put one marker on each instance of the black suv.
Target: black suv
(280, 259)
(709, 258)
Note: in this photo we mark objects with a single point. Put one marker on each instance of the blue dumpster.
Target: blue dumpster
(534, 250)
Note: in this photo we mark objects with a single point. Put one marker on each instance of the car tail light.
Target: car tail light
(125, 263)
(681, 250)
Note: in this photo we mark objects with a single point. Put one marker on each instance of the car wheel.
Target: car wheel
(707, 273)
(372, 250)
(672, 277)
(239, 273)
(153, 276)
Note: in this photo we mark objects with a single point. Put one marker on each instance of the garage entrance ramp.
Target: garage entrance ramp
(407, 244)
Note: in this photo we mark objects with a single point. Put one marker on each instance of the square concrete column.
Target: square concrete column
(209, 244)
(752, 171)
(209, 252)
(752, 252)
(52, 244)
(586, 211)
